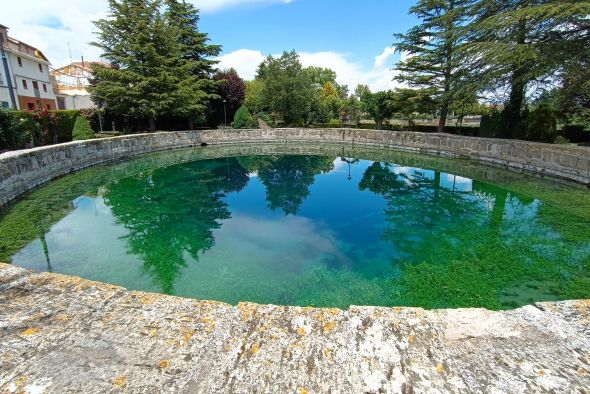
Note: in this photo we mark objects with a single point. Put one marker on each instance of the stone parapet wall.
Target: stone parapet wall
(62, 334)
(23, 170)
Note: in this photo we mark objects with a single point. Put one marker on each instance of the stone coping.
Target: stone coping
(63, 334)
(23, 170)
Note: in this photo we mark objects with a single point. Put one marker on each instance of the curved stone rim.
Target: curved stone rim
(21, 171)
(62, 333)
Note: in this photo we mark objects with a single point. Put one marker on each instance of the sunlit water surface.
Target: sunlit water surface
(308, 230)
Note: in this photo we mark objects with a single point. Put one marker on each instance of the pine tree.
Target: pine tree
(135, 41)
(519, 45)
(159, 62)
(433, 59)
(195, 87)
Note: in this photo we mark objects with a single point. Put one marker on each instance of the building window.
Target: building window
(45, 88)
(4, 104)
(30, 106)
(25, 86)
(20, 61)
(1, 80)
(48, 107)
(35, 85)
(40, 68)
(61, 103)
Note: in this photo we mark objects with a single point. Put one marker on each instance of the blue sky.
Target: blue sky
(361, 28)
(353, 37)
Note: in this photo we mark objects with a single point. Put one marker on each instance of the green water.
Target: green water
(323, 229)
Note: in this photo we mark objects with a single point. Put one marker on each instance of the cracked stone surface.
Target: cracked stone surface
(62, 334)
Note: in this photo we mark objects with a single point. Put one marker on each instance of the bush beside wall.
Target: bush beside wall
(82, 129)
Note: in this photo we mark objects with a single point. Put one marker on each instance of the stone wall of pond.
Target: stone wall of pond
(23, 170)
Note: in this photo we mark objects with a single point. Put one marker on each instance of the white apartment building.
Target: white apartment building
(70, 85)
(25, 82)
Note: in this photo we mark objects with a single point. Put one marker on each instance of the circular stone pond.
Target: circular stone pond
(317, 225)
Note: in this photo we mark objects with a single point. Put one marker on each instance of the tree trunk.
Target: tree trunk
(190, 124)
(442, 122)
(379, 124)
(152, 124)
(512, 119)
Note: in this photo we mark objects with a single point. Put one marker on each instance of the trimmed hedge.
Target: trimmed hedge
(82, 129)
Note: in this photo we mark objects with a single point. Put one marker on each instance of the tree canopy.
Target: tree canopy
(160, 64)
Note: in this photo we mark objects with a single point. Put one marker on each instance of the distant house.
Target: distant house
(24, 75)
(70, 84)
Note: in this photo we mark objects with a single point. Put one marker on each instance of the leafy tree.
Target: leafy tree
(379, 106)
(321, 76)
(82, 129)
(232, 89)
(286, 89)
(254, 99)
(520, 45)
(434, 61)
(412, 102)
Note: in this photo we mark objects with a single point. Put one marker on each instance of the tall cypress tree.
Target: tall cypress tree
(195, 87)
(434, 61)
(517, 45)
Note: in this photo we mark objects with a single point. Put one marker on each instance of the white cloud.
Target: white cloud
(379, 77)
(51, 24)
(245, 61)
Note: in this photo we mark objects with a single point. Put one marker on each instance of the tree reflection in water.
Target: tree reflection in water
(173, 210)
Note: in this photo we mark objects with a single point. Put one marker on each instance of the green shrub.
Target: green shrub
(82, 129)
(64, 124)
(242, 118)
(490, 124)
(560, 139)
(11, 132)
(252, 123)
(541, 125)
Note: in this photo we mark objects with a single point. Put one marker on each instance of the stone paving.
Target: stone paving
(61, 334)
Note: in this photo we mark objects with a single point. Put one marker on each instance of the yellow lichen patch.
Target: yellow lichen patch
(187, 335)
(30, 331)
(411, 338)
(301, 331)
(120, 381)
(170, 342)
(247, 310)
(154, 332)
(582, 372)
(541, 372)
(62, 317)
(583, 306)
(164, 364)
(209, 324)
(303, 390)
(146, 298)
(255, 349)
(329, 326)
(324, 314)
(327, 352)
(397, 309)
(440, 368)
